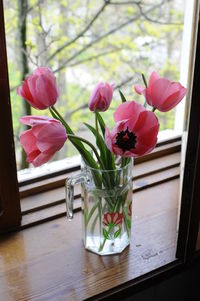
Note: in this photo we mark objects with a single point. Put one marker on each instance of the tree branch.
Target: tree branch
(106, 35)
(80, 33)
(156, 21)
(94, 57)
(127, 80)
(126, 3)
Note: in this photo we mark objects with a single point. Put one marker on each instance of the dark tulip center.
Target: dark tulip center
(126, 140)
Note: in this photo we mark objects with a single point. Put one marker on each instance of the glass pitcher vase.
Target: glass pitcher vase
(106, 197)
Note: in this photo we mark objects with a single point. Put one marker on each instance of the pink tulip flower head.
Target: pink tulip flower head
(161, 93)
(101, 97)
(46, 137)
(135, 132)
(40, 89)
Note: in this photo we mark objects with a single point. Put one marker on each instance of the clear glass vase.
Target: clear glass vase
(106, 207)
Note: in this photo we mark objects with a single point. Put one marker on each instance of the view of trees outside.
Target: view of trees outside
(85, 42)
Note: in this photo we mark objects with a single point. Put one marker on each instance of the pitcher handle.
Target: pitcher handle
(69, 190)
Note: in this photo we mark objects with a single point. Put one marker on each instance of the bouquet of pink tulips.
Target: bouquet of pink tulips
(134, 133)
(108, 204)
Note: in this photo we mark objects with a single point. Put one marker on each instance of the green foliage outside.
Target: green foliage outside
(85, 42)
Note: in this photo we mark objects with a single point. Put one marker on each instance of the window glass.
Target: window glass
(85, 42)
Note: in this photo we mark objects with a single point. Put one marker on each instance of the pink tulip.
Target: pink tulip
(46, 137)
(101, 97)
(40, 89)
(135, 132)
(161, 93)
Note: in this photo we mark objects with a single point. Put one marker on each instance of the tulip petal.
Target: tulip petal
(146, 130)
(36, 120)
(101, 97)
(41, 159)
(144, 127)
(46, 91)
(24, 92)
(106, 91)
(163, 90)
(149, 139)
(108, 139)
(173, 100)
(139, 89)
(153, 78)
(40, 88)
(46, 137)
(146, 121)
(159, 89)
(28, 141)
(49, 133)
(32, 156)
(42, 70)
(128, 110)
(37, 104)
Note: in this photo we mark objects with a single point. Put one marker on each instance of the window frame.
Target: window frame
(190, 205)
(10, 213)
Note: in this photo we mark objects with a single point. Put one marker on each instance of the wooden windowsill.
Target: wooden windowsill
(44, 200)
(48, 261)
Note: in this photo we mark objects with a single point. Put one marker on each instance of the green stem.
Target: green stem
(96, 124)
(109, 229)
(144, 80)
(62, 120)
(86, 155)
(90, 145)
(145, 83)
(111, 226)
(124, 162)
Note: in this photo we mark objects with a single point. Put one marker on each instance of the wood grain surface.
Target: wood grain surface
(48, 261)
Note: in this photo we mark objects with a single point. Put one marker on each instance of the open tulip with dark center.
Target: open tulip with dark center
(135, 132)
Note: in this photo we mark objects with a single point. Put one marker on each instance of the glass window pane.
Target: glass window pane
(85, 42)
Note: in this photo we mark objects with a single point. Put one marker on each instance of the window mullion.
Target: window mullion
(190, 205)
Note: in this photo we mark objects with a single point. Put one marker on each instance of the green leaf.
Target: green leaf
(100, 143)
(117, 233)
(105, 234)
(109, 156)
(101, 122)
(122, 96)
(86, 155)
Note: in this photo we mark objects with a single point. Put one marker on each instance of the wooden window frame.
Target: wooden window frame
(10, 213)
(190, 204)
